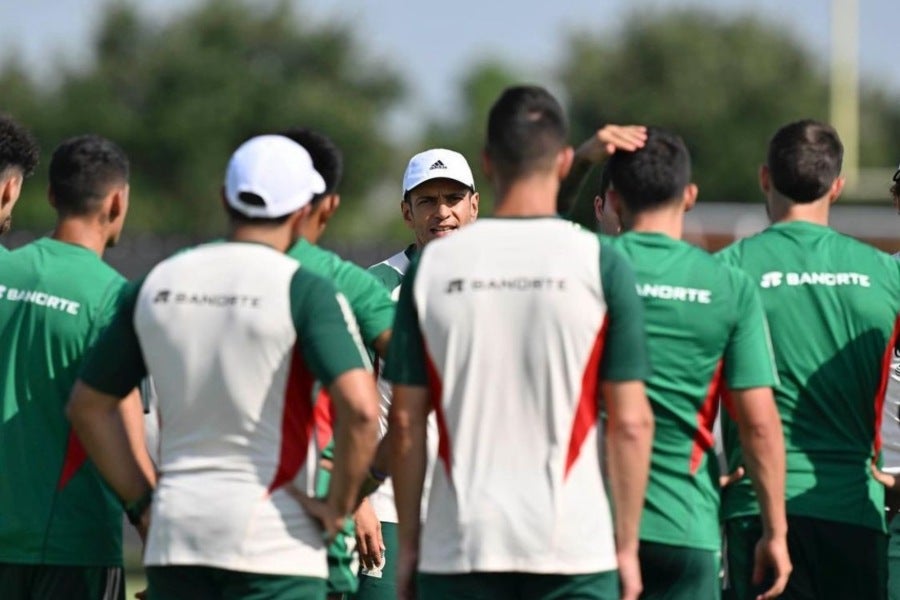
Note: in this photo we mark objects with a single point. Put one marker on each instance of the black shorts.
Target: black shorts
(56, 582)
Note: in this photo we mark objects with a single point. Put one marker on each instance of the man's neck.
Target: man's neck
(278, 237)
(668, 220)
(782, 210)
(81, 232)
(533, 196)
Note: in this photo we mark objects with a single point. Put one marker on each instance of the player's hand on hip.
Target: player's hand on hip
(886, 479)
(733, 477)
(368, 535)
(771, 556)
(328, 517)
(630, 581)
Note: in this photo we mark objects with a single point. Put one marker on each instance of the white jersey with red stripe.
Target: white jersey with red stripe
(890, 417)
(218, 330)
(520, 320)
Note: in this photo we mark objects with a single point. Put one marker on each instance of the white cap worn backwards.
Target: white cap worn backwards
(277, 171)
(434, 164)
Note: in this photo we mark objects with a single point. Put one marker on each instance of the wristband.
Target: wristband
(135, 508)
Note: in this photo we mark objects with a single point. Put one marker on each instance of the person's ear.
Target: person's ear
(689, 198)
(598, 207)
(837, 187)
(487, 166)
(765, 179)
(117, 203)
(406, 211)
(474, 202)
(564, 162)
(10, 190)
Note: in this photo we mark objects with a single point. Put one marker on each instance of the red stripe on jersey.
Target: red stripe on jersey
(296, 422)
(75, 457)
(323, 416)
(706, 418)
(436, 390)
(882, 385)
(588, 408)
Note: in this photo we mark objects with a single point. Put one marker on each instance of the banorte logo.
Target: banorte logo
(771, 279)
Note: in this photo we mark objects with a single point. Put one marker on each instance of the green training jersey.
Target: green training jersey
(831, 303)
(705, 328)
(371, 303)
(54, 506)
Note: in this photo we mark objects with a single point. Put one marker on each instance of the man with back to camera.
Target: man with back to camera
(235, 335)
(60, 525)
(831, 304)
(373, 309)
(18, 157)
(706, 330)
(477, 311)
(438, 198)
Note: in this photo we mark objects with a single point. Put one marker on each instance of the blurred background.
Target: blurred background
(179, 83)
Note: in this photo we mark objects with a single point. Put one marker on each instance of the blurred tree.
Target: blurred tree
(179, 96)
(725, 84)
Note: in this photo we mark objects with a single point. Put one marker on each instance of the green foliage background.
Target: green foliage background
(180, 95)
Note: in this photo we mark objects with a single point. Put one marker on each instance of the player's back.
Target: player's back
(54, 508)
(705, 329)
(514, 318)
(216, 328)
(832, 305)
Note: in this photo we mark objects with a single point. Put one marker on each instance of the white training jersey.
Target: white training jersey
(233, 335)
(512, 323)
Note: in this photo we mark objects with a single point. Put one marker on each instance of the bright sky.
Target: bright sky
(434, 43)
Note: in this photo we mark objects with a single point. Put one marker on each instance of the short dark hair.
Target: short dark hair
(526, 129)
(82, 169)
(327, 158)
(804, 159)
(238, 218)
(651, 176)
(18, 148)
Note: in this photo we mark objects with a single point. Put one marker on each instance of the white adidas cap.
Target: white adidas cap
(434, 164)
(278, 171)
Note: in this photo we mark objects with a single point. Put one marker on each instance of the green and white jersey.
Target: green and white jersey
(371, 303)
(705, 330)
(234, 336)
(54, 506)
(390, 272)
(512, 324)
(831, 303)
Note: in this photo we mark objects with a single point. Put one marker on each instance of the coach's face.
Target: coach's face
(437, 208)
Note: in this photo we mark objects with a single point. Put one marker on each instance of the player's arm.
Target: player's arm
(332, 347)
(372, 306)
(106, 411)
(750, 374)
(762, 442)
(407, 428)
(594, 151)
(623, 369)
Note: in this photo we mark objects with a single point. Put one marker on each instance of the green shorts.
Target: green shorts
(832, 561)
(679, 573)
(381, 583)
(522, 586)
(208, 583)
(51, 582)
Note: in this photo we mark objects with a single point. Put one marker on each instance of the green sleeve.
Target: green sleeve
(625, 350)
(115, 365)
(748, 360)
(327, 333)
(370, 300)
(406, 361)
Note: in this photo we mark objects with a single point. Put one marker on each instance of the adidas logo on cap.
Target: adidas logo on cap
(437, 165)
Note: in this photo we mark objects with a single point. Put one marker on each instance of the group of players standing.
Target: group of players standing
(534, 367)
